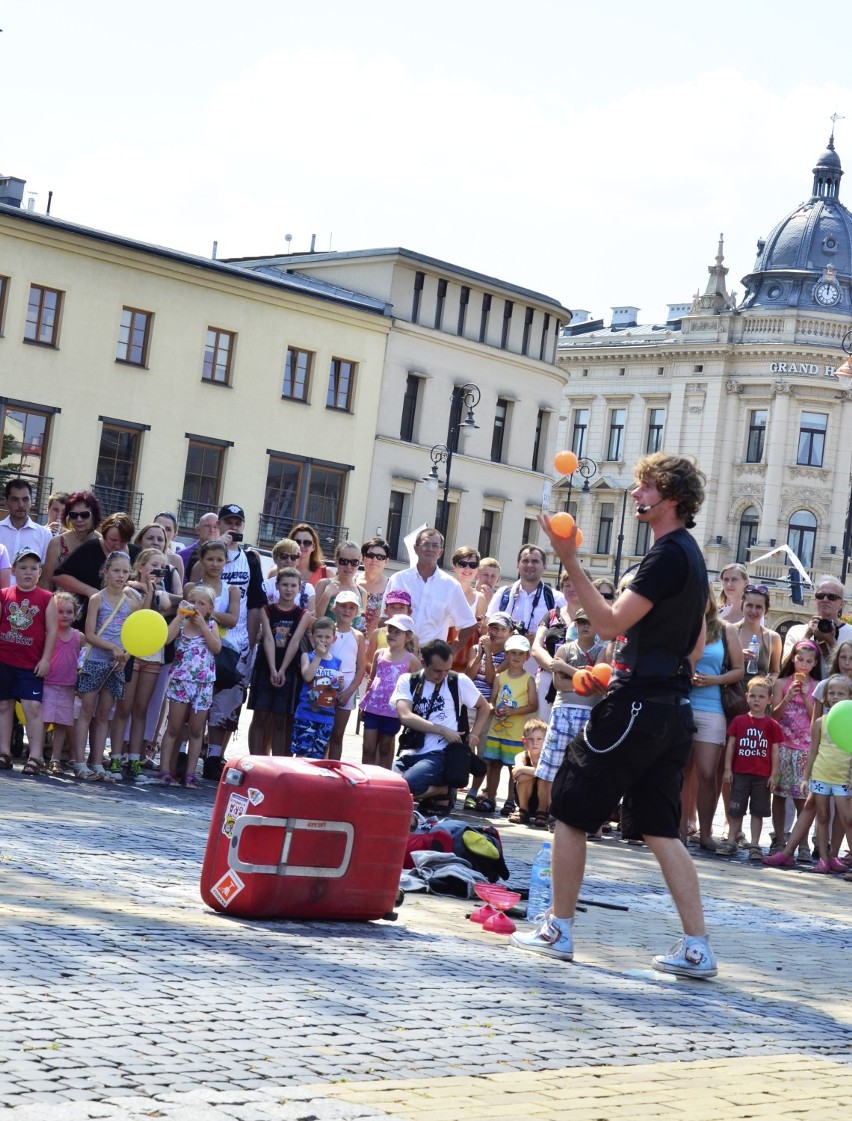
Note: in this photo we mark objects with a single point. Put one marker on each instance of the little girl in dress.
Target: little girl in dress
(380, 720)
(57, 704)
(792, 707)
(191, 678)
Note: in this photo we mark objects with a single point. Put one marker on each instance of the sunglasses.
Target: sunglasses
(79, 515)
(761, 589)
(305, 544)
(290, 556)
(349, 563)
(828, 595)
(466, 564)
(608, 595)
(376, 556)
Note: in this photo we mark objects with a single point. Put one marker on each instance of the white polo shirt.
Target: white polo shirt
(436, 604)
(31, 535)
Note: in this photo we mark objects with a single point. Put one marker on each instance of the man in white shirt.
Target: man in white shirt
(529, 599)
(437, 599)
(18, 531)
(431, 709)
(825, 627)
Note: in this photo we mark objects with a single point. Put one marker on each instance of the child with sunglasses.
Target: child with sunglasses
(287, 554)
(348, 559)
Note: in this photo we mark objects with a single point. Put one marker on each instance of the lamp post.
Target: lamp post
(843, 373)
(465, 396)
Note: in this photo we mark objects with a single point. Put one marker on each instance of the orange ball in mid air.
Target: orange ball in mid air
(562, 524)
(603, 672)
(566, 463)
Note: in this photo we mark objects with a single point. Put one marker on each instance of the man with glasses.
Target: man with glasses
(824, 627)
(529, 599)
(437, 599)
(18, 531)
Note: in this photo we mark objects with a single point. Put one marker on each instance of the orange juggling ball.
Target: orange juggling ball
(565, 463)
(562, 524)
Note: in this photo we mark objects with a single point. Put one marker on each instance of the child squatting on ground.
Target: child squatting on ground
(752, 760)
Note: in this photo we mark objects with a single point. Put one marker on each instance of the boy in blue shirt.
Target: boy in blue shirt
(321, 683)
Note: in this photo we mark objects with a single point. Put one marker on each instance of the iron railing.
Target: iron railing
(117, 500)
(272, 529)
(42, 488)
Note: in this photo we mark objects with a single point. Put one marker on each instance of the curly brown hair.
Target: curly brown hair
(676, 478)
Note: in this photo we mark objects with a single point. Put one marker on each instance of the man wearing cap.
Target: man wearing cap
(437, 599)
(242, 570)
(18, 530)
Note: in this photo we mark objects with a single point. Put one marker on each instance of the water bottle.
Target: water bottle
(753, 651)
(541, 887)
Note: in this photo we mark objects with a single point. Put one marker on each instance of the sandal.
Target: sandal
(34, 767)
(485, 805)
(520, 817)
(726, 848)
(101, 774)
(6, 761)
(54, 767)
(191, 783)
(541, 820)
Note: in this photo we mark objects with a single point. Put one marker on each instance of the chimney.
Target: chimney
(11, 190)
(624, 317)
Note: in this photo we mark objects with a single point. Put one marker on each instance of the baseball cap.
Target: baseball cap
(580, 614)
(347, 597)
(401, 622)
(398, 595)
(501, 618)
(517, 642)
(26, 552)
(232, 511)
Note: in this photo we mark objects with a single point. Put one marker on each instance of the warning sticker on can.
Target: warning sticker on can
(236, 807)
(227, 889)
(255, 796)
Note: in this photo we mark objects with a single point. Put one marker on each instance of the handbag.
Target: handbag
(227, 675)
(86, 649)
(734, 702)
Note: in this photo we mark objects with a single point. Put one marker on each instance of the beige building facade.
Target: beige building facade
(454, 328)
(303, 388)
(749, 390)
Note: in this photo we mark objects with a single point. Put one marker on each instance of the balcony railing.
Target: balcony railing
(42, 488)
(188, 513)
(117, 500)
(270, 530)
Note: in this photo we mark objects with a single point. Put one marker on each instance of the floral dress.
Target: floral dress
(193, 672)
(796, 726)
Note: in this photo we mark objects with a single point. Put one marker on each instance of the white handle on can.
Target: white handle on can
(290, 825)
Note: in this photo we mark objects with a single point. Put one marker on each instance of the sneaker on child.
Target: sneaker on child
(691, 957)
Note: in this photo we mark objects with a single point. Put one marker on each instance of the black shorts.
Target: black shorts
(749, 792)
(646, 769)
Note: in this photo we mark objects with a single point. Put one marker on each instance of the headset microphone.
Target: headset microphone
(645, 509)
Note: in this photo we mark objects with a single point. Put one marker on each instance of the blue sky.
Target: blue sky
(594, 153)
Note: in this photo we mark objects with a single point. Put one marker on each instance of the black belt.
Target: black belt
(663, 700)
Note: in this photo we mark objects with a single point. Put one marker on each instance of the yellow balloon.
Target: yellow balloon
(19, 712)
(144, 633)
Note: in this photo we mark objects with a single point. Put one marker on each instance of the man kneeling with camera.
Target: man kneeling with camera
(826, 628)
(432, 705)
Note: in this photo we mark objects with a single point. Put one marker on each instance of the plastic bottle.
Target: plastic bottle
(541, 887)
(753, 652)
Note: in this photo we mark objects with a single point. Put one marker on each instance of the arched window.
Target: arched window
(749, 521)
(801, 536)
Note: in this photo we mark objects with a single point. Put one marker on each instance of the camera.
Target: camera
(158, 572)
(825, 626)
(235, 536)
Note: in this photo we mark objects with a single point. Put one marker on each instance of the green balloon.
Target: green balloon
(838, 723)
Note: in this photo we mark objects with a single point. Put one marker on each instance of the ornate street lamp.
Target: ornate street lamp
(467, 397)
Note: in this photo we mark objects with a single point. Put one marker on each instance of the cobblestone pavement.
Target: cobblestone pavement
(124, 997)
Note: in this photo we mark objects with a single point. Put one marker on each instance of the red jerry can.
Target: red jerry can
(306, 839)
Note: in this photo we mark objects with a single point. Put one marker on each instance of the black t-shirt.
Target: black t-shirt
(85, 565)
(282, 624)
(653, 657)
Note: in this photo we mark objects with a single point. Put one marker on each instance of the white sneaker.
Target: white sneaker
(553, 938)
(691, 957)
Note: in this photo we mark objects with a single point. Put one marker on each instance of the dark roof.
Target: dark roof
(298, 259)
(275, 278)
